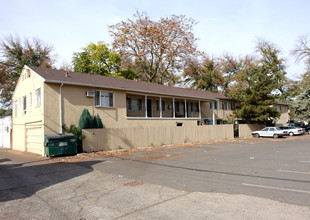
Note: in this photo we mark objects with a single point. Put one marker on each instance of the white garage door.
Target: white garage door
(34, 135)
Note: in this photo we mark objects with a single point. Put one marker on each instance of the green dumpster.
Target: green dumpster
(60, 144)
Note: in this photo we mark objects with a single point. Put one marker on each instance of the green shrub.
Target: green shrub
(98, 122)
(77, 133)
(86, 121)
(72, 129)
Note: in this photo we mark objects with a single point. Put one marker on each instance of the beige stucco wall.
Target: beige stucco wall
(245, 130)
(219, 112)
(284, 118)
(27, 83)
(74, 100)
(115, 138)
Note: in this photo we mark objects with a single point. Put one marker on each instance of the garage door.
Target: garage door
(34, 139)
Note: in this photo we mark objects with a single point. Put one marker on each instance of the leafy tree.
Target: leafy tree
(229, 67)
(86, 121)
(253, 90)
(304, 81)
(14, 55)
(302, 105)
(256, 82)
(2, 113)
(157, 50)
(97, 59)
(273, 66)
(126, 74)
(204, 74)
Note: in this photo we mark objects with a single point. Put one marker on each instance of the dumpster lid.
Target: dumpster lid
(59, 136)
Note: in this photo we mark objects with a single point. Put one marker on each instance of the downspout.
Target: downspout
(60, 108)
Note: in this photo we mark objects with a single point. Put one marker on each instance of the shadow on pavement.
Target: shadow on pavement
(22, 180)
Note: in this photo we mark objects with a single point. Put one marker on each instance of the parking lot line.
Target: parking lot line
(293, 171)
(304, 161)
(277, 188)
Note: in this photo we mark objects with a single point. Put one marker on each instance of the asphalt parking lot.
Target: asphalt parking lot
(235, 179)
(277, 169)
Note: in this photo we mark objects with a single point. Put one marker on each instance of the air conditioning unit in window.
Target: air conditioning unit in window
(90, 93)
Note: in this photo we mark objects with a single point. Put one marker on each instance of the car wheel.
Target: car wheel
(291, 134)
(257, 136)
(308, 131)
(275, 135)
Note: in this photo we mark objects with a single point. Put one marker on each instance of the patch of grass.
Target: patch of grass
(119, 148)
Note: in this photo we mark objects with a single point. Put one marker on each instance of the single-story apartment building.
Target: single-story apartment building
(45, 99)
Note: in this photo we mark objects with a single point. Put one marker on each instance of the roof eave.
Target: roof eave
(123, 89)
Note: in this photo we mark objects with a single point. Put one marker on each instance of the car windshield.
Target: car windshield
(278, 129)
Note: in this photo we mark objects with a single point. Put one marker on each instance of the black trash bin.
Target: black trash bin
(60, 144)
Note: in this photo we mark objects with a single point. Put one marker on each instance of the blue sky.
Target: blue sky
(224, 26)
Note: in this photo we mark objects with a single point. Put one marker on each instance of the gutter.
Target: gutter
(60, 108)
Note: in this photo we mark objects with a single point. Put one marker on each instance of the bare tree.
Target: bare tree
(302, 50)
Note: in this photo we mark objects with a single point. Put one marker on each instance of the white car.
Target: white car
(270, 132)
(292, 130)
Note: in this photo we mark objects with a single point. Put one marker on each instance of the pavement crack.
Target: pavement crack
(159, 192)
(52, 206)
(150, 206)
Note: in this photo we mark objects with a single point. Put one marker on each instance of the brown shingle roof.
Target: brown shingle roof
(83, 79)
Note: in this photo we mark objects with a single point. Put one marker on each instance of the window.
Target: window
(38, 97)
(104, 99)
(213, 103)
(24, 104)
(194, 107)
(233, 106)
(163, 105)
(30, 99)
(280, 108)
(177, 106)
(15, 108)
(134, 104)
(224, 105)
